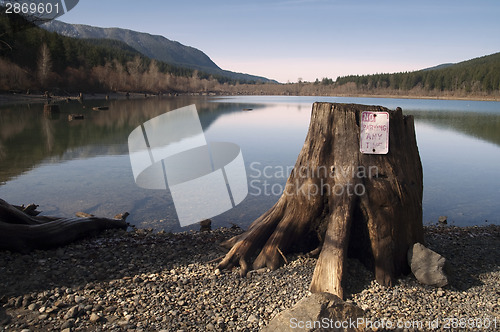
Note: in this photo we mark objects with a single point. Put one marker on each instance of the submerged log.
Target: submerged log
(23, 232)
(51, 108)
(367, 205)
(72, 117)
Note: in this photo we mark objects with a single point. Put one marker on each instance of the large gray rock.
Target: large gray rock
(318, 312)
(427, 266)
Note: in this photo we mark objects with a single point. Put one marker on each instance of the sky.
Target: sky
(288, 40)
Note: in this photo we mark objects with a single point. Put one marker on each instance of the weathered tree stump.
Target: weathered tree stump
(369, 205)
(21, 229)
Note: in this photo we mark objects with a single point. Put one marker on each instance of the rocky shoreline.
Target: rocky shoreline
(37, 98)
(145, 281)
(20, 98)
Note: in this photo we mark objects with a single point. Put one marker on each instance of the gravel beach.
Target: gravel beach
(145, 281)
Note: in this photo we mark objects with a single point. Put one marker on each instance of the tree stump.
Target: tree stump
(369, 205)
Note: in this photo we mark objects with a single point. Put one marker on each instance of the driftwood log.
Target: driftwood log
(21, 229)
(367, 205)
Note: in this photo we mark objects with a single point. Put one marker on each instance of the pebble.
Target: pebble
(72, 312)
(94, 318)
(33, 306)
(68, 324)
(252, 318)
(144, 281)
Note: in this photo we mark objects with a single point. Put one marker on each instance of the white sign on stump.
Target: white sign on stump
(374, 137)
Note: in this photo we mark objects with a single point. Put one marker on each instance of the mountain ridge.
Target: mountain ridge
(153, 46)
(441, 66)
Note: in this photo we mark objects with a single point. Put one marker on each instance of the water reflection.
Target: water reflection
(67, 166)
(484, 126)
(28, 137)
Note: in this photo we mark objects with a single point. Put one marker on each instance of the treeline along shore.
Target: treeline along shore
(33, 60)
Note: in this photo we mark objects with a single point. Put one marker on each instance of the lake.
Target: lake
(84, 165)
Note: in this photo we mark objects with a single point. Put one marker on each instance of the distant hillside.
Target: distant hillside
(155, 47)
(441, 66)
(479, 75)
(36, 60)
(152, 46)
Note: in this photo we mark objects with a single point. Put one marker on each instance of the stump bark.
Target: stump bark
(23, 230)
(342, 201)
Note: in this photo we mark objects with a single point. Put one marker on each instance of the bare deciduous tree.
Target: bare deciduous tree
(44, 65)
(135, 69)
(152, 77)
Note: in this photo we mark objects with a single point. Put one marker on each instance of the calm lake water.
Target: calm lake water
(69, 166)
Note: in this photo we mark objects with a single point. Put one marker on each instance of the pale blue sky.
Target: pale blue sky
(288, 39)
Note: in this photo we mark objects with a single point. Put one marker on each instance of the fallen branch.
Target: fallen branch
(22, 232)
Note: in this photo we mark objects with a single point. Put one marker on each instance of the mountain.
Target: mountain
(441, 66)
(152, 46)
(155, 47)
(478, 75)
